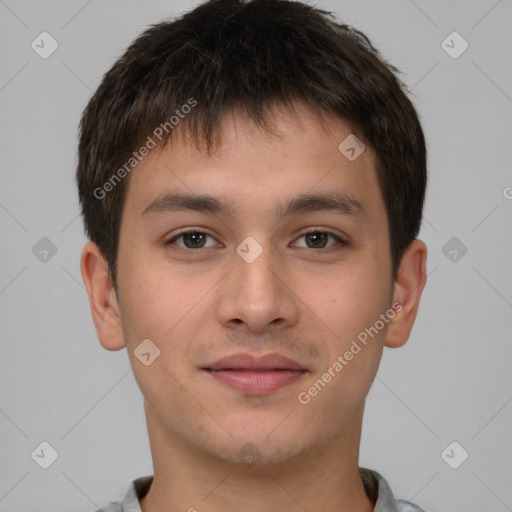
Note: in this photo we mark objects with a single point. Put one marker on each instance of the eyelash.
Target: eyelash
(340, 241)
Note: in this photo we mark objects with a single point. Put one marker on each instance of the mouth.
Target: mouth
(255, 376)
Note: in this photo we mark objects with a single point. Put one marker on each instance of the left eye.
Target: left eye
(196, 239)
(318, 237)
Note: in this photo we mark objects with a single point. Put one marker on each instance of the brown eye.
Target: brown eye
(318, 239)
(191, 239)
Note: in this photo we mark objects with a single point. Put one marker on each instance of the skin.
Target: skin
(292, 299)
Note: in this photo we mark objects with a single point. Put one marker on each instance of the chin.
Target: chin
(254, 451)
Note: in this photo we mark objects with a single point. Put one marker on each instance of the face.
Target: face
(257, 279)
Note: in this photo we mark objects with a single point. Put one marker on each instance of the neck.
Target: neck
(326, 478)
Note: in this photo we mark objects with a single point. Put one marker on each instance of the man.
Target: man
(252, 179)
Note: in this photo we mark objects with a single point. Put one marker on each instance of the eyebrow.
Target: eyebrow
(339, 202)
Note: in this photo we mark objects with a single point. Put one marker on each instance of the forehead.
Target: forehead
(256, 169)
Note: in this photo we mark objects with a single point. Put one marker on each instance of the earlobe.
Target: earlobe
(409, 286)
(102, 298)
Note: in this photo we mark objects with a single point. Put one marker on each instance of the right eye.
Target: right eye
(192, 239)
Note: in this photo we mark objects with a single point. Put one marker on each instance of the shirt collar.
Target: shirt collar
(375, 484)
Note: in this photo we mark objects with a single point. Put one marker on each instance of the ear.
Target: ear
(102, 297)
(407, 292)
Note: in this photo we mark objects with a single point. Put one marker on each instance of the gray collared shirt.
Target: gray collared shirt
(375, 485)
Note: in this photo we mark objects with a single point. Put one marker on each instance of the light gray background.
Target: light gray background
(450, 382)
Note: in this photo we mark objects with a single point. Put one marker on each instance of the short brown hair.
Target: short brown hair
(252, 55)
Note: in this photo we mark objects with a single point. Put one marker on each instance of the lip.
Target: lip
(244, 361)
(256, 375)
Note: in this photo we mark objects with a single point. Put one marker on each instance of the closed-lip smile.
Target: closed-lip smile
(256, 375)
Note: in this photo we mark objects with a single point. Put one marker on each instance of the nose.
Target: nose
(257, 295)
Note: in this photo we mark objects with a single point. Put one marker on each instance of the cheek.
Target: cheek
(350, 305)
(352, 298)
(354, 351)
(163, 305)
(149, 303)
